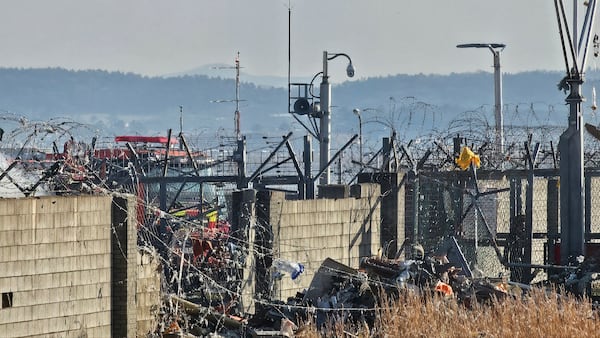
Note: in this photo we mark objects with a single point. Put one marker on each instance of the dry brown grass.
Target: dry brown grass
(536, 315)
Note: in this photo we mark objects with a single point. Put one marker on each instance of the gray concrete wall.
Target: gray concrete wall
(55, 260)
(393, 205)
(242, 221)
(309, 231)
(124, 266)
(68, 268)
(148, 294)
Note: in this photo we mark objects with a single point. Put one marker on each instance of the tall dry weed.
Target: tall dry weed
(537, 314)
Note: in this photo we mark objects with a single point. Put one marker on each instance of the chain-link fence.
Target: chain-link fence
(500, 220)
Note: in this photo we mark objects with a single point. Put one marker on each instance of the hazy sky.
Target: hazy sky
(383, 37)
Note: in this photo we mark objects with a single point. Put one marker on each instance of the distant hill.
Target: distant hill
(117, 102)
(126, 102)
(223, 71)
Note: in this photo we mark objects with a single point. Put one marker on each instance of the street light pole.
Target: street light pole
(499, 117)
(495, 48)
(325, 123)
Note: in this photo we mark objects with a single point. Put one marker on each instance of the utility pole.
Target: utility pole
(572, 199)
(325, 115)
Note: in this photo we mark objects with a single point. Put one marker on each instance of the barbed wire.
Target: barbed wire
(78, 173)
(416, 125)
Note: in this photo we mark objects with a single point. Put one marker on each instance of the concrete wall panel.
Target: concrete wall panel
(309, 231)
(59, 284)
(56, 264)
(148, 294)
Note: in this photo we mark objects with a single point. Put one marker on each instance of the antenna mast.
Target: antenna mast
(238, 133)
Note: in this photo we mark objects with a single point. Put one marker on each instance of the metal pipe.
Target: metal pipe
(325, 128)
(499, 118)
(168, 146)
(495, 48)
(322, 171)
(325, 123)
(360, 142)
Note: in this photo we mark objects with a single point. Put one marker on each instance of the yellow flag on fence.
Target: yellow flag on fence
(467, 156)
(213, 217)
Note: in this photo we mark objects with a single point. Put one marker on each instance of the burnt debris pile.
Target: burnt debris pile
(185, 213)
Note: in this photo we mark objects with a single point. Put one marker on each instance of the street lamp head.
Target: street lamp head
(350, 70)
(356, 111)
(481, 45)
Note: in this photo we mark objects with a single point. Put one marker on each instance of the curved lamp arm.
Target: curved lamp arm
(330, 56)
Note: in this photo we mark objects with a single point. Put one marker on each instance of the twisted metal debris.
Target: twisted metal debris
(202, 262)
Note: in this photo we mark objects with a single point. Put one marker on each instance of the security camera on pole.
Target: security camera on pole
(325, 115)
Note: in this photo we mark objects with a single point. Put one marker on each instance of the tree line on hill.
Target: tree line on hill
(119, 102)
